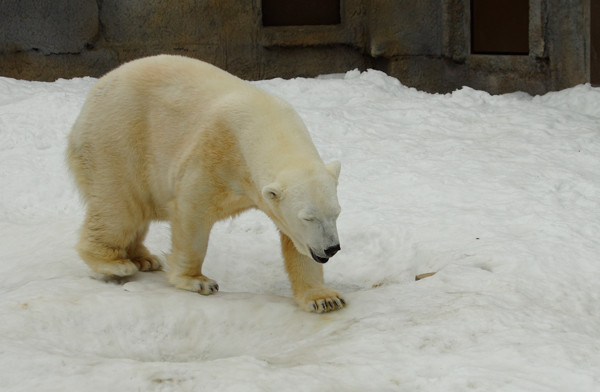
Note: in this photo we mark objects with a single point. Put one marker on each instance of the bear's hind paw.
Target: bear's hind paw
(114, 268)
(147, 263)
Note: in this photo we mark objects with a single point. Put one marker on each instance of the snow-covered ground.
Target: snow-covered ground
(500, 195)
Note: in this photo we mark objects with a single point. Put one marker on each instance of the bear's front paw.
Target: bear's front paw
(320, 300)
(199, 284)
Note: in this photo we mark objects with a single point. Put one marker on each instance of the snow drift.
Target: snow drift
(500, 195)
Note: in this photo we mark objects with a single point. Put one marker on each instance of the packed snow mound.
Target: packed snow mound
(498, 194)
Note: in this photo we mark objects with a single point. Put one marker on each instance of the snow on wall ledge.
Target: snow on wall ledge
(499, 194)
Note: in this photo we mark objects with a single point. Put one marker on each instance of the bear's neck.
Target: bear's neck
(270, 146)
(266, 160)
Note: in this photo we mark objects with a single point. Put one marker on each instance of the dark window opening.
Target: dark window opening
(300, 12)
(595, 43)
(500, 27)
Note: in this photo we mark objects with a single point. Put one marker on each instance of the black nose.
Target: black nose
(329, 252)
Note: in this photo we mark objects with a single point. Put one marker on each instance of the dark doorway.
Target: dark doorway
(500, 27)
(300, 12)
(595, 42)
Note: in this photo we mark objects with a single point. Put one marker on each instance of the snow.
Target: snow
(497, 194)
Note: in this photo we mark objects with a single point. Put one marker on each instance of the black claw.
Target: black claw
(330, 302)
(216, 287)
(342, 301)
(324, 305)
(315, 306)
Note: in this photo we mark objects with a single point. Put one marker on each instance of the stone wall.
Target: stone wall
(424, 43)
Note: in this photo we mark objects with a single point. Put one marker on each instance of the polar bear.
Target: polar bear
(173, 138)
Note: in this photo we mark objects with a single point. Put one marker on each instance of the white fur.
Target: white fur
(171, 138)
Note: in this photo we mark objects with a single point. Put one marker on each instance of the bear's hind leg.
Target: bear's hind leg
(103, 245)
(140, 255)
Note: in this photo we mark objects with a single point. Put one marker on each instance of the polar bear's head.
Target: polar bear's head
(304, 205)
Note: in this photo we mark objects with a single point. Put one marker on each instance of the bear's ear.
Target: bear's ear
(272, 191)
(334, 168)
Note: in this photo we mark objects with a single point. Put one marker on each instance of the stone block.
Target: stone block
(51, 27)
(176, 24)
(404, 28)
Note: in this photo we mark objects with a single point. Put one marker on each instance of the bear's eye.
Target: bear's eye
(306, 215)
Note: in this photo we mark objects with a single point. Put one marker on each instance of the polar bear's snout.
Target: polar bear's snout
(332, 250)
(329, 252)
(318, 259)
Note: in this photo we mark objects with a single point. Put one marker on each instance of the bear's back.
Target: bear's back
(142, 120)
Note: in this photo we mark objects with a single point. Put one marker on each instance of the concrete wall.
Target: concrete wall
(425, 43)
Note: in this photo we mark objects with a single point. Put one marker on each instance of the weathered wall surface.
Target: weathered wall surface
(423, 43)
(64, 26)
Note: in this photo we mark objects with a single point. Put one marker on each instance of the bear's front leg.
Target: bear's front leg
(306, 277)
(190, 241)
